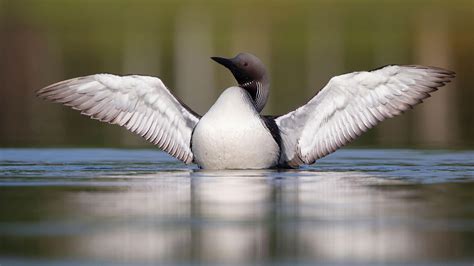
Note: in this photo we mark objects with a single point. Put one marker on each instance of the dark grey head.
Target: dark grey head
(251, 75)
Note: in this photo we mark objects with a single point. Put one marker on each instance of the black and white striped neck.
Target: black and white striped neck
(258, 91)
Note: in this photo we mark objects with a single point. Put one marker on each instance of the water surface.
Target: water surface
(362, 207)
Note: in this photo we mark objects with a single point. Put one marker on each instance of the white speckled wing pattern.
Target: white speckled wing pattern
(351, 104)
(142, 104)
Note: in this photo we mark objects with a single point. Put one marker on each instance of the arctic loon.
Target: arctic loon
(233, 134)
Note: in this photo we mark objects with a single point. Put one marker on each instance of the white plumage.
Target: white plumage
(141, 104)
(349, 105)
(231, 135)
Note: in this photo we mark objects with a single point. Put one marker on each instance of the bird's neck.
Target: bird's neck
(258, 90)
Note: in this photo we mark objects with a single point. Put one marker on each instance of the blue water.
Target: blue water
(140, 207)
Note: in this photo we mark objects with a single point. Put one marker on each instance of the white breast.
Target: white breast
(231, 135)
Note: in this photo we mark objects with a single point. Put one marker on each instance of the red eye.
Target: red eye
(246, 64)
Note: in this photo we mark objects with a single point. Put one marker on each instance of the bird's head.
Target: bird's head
(251, 75)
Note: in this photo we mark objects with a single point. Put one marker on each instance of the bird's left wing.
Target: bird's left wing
(349, 105)
(142, 104)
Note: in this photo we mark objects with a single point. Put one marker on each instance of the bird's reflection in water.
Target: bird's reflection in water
(248, 216)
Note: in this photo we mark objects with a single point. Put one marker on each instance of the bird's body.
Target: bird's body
(233, 134)
(227, 139)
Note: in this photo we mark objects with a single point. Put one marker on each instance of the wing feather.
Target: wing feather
(141, 104)
(351, 104)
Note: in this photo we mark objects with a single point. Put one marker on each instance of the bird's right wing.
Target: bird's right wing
(349, 105)
(142, 104)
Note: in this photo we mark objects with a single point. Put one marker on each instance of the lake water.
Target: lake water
(140, 207)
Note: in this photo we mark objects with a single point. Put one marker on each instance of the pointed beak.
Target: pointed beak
(230, 64)
(223, 61)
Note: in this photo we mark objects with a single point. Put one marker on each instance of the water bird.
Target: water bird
(233, 134)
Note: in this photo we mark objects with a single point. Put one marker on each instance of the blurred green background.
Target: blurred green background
(303, 43)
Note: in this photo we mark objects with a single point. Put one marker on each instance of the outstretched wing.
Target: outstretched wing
(349, 105)
(142, 104)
